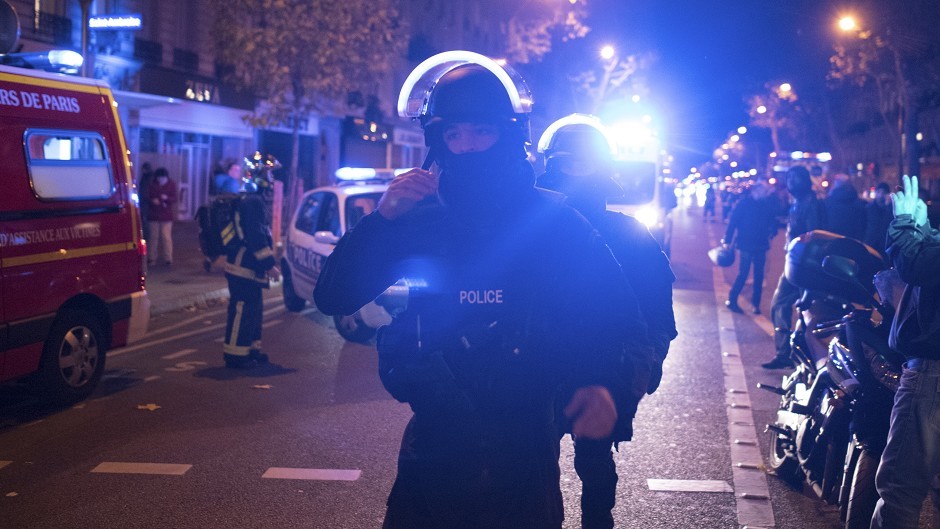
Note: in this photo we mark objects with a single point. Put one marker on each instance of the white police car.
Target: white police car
(322, 217)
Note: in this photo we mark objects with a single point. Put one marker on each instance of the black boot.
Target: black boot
(779, 362)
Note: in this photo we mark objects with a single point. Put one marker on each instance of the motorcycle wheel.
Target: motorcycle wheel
(864, 496)
(853, 452)
(784, 466)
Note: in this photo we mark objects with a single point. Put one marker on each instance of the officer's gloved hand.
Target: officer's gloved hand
(592, 412)
(656, 376)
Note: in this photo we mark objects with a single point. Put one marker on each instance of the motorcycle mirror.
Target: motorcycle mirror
(845, 269)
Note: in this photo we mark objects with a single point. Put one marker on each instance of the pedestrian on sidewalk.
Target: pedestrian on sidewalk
(752, 225)
(710, 199)
(807, 213)
(162, 197)
(579, 161)
(910, 463)
(145, 179)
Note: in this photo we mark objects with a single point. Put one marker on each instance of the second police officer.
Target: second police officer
(519, 296)
(579, 163)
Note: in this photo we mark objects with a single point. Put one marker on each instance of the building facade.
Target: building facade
(179, 113)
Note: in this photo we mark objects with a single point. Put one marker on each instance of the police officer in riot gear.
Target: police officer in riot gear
(249, 266)
(518, 296)
(579, 157)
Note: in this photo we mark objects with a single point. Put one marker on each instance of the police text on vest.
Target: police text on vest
(481, 297)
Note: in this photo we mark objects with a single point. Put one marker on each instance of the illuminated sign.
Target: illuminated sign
(117, 22)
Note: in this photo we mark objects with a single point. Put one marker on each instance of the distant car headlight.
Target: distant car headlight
(648, 216)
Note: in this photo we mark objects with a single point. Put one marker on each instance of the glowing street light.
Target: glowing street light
(742, 129)
(848, 23)
(608, 52)
(785, 88)
(762, 109)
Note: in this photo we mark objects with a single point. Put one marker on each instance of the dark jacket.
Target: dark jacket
(915, 253)
(255, 255)
(647, 271)
(165, 196)
(806, 214)
(504, 321)
(755, 223)
(877, 218)
(845, 212)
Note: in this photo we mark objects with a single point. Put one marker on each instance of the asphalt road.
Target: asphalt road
(174, 439)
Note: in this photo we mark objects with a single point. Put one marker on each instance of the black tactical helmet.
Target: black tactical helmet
(468, 93)
(578, 138)
(461, 86)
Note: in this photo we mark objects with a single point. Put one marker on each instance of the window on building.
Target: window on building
(68, 165)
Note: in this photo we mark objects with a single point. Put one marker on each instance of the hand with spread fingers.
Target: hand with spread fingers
(907, 202)
(406, 190)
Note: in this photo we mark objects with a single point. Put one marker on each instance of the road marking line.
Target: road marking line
(217, 326)
(752, 494)
(321, 474)
(4, 463)
(165, 340)
(152, 378)
(178, 354)
(688, 485)
(167, 469)
(271, 323)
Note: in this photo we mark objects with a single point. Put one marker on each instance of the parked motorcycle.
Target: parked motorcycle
(827, 414)
(867, 372)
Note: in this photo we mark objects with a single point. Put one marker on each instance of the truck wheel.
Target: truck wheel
(352, 328)
(73, 357)
(292, 300)
(864, 496)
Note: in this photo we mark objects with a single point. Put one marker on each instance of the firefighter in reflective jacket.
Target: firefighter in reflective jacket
(249, 267)
(579, 153)
(518, 297)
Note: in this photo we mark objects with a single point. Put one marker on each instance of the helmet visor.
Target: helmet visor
(415, 93)
(547, 140)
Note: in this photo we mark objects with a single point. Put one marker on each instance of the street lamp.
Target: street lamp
(785, 88)
(848, 23)
(608, 52)
(742, 129)
(762, 109)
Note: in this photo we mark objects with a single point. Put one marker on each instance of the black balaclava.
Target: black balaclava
(488, 182)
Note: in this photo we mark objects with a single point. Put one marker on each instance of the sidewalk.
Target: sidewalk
(184, 283)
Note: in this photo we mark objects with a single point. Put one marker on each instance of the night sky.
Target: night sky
(711, 54)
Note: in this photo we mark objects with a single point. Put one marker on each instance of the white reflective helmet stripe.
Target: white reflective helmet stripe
(433, 68)
(546, 140)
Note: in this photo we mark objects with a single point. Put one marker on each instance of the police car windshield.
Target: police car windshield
(358, 206)
(638, 180)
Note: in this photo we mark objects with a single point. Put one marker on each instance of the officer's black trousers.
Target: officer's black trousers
(594, 463)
